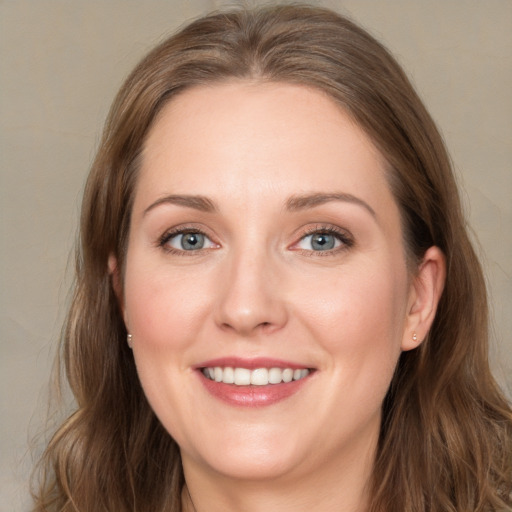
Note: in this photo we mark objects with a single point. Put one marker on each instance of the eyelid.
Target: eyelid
(344, 236)
(162, 241)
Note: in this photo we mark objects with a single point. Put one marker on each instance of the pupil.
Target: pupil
(192, 241)
(322, 241)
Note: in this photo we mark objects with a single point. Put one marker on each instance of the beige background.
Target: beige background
(61, 62)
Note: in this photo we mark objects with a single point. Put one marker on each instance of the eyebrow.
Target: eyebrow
(294, 203)
(200, 203)
(306, 201)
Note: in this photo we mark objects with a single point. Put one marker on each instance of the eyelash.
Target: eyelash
(169, 235)
(343, 236)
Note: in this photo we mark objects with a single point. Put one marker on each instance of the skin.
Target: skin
(258, 289)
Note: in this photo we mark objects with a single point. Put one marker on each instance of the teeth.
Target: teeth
(259, 377)
(228, 376)
(256, 377)
(242, 376)
(287, 375)
(275, 376)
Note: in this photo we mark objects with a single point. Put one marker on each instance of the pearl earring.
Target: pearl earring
(129, 340)
(414, 336)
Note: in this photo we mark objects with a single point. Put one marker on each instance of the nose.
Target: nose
(251, 296)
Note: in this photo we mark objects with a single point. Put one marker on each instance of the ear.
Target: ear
(115, 274)
(424, 295)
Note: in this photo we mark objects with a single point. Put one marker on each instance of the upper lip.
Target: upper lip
(250, 363)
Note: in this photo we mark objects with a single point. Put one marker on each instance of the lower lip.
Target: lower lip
(252, 396)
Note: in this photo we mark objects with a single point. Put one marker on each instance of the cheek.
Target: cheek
(164, 315)
(358, 317)
(164, 310)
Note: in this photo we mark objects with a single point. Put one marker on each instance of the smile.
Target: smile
(253, 382)
(255, 377)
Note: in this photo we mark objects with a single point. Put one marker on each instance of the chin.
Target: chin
(256, 455)
(253, 467)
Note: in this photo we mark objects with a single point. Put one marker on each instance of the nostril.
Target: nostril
(252, 327)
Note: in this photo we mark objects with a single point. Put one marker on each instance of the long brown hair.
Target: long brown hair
(446, 435)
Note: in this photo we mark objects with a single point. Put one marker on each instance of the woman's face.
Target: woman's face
(265, 245)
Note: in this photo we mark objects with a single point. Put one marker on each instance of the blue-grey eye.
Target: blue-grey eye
(190, 241)
(320, 241)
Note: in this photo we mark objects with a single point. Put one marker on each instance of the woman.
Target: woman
(277, 304)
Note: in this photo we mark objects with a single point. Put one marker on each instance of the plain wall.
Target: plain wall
(61, 63)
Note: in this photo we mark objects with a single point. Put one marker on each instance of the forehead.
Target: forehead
(232, 137)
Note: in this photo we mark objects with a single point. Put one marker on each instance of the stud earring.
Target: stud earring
(414, 336)
(129, 340)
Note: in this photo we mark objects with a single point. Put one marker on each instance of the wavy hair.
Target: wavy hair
(446, 435)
